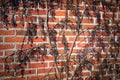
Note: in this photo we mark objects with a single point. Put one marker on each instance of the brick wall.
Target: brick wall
(93, 31)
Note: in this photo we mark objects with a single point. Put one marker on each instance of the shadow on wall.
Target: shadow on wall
(96, 56)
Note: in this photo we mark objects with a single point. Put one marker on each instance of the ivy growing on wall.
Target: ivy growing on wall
(23, 56)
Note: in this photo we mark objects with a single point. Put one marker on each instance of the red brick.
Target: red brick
(72, 14)
(101, 45)
(54, 76)
(38, 12)
(11, 26)
(62, 45)
(96, 67)
(6, 74)
(8, 52)
(61, 51)
(1, 25)
(46, 70)
(64, 1)
(59, 39)
(27, 72)
(35, 77)
(38, 65)
(1, 53)
(53, 19)
(81, 39)
(6, 32)
(38, 40)
(89, 27)
(70, 20)
(25, 46)
(87, 21)
(44, 58)
(6, 46)
(9, 60)
(60, 13)
(51, 25)
(74, 2)
(70, 36)
(47, 58)
(19, 26)
(109, 16)
(20, 32)
(13, 66)
(62, 63)
(16, 79)
(30, 19)
(53, 63)
(92, 15)
(102, 9)
(14, 39)
(75, 51)
(85, 74)
(89, 45)
(20, 11)
(83, 33)
(106, 77)
(1, 67)
(1, 60)
(68, 33)
(96, 62)
(81, 45)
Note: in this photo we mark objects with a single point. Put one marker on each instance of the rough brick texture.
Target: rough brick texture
(94, 42)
